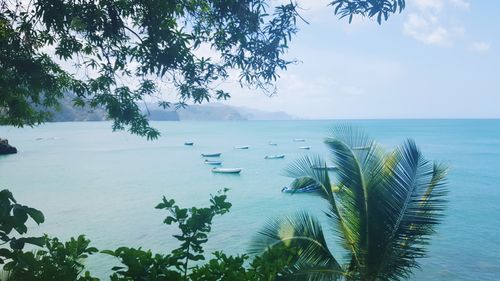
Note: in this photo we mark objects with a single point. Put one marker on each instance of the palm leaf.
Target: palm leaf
(5, 275)
(409, 205)
(301, 272)
(359, 159)
(302, 182)
(385, 209)
(307, 167)
(353, 209)
(304, 236)
(355, 138)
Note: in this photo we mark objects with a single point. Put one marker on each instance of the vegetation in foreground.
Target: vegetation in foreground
(383, 207)
(53, 260)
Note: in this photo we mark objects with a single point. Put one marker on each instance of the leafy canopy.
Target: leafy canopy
(116, 53)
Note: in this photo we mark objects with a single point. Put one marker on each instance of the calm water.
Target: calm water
(89, 180)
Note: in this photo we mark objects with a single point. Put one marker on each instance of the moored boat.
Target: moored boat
(280, 156)
(306, 189)
(211, 154)
(212, 162)
(226, 170)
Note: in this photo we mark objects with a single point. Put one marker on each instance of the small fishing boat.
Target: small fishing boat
(305, 147)
(226, 170)
(280, 156)
(189, 143)
(211, 162)
(306, 189)
(328, 168)
(211, 154)
(273, 143)
(299, 140)
(242, 147)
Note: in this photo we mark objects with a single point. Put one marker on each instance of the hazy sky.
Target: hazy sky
(438, 59)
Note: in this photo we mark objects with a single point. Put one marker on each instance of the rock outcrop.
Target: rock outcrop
(6, 148)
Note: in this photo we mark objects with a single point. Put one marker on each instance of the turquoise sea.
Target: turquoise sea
(87, 179)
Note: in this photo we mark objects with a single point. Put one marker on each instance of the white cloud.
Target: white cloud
(426, 30)
(435, 5)
(439, 36)
(440, 5)
(328, 84)
(431, 21)
(479, 46)
(461, 4)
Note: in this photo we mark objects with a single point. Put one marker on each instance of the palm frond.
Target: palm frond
(301, 272)
(350, 135)
(5, 275)
(302, 182)
(355, 138)
(384, 209)
(303, 235)
(352, 208)
(307, 167)
(359, 160)
(409, 204)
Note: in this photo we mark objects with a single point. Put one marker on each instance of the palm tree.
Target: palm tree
(383, 207)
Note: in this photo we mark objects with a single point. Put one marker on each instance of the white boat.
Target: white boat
(299, 140)
(280, 156)
(306, 189)
(328, 168)
(242, 147)
(189, 143)
(211, 162)
(273, 143)
(305, 147)
(211, 154)
(226, 170)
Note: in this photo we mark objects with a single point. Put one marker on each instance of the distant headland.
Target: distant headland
(207, 112)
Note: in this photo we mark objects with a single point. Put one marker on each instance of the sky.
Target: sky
(437, 59)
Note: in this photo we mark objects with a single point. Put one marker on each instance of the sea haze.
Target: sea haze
(87, 179)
